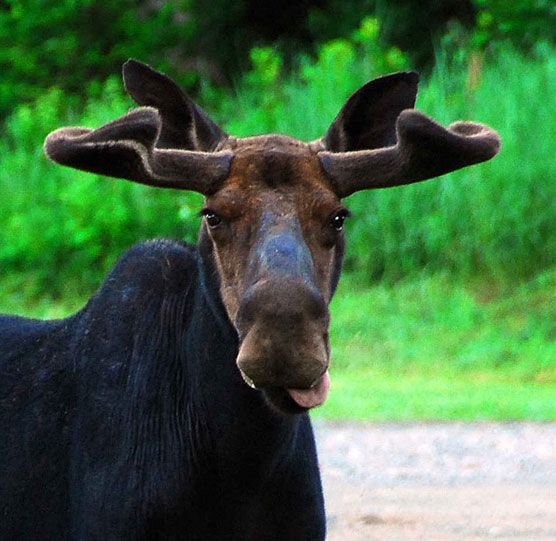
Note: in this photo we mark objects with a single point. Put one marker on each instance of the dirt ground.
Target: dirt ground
(439, 481)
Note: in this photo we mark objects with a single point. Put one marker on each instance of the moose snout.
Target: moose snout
(283, 326)
(282, 303)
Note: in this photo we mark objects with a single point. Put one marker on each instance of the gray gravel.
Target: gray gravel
(439, 480)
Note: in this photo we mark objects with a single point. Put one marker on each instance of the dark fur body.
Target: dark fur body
(130, 420)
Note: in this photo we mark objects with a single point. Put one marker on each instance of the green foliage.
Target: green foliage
(494, 220)
(303, 104)
(60, 229)
(68, 43)
(524, 22)
(414, 27)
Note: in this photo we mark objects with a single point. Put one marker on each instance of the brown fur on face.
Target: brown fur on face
(275, 174)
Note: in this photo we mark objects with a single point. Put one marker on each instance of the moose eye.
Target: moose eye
(338, 220)
(211, 217)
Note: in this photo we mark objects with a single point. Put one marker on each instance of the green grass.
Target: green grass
(372, 395)
(433, 325)
(429, 348)
(19, 297)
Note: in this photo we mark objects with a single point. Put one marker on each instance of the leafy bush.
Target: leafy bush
(303, 104)
(524, 22)
(69, 44)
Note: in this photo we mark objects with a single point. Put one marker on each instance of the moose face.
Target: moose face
(273, 212)
(276, 230)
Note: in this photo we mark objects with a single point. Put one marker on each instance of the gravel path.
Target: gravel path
(439, 480)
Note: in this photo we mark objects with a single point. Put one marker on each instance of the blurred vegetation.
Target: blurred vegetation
(72, 44)
(435, 349)
(466, 262)
(61, 226)
(495, 220)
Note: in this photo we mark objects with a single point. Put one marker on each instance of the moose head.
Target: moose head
(272, 239)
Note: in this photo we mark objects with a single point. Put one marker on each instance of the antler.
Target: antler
(175, 144)
(424, 150)
(126, 148)
(170, 146)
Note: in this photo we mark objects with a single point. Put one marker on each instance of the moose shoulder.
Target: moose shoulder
(174, 404)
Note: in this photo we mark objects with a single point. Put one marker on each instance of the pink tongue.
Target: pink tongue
(315, 396)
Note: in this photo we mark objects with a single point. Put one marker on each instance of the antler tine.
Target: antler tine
(424, 150)
(126, 148)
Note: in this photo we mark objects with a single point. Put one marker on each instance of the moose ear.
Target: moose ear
(184, 124)
(368, 118)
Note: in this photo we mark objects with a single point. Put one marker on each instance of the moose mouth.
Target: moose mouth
(296, 400)
(313, 397)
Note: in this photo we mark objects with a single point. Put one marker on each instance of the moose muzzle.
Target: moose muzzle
(283, 320)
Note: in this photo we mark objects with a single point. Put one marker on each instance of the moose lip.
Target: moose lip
(305, 399)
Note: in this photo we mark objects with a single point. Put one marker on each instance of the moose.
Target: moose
(175, 404)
